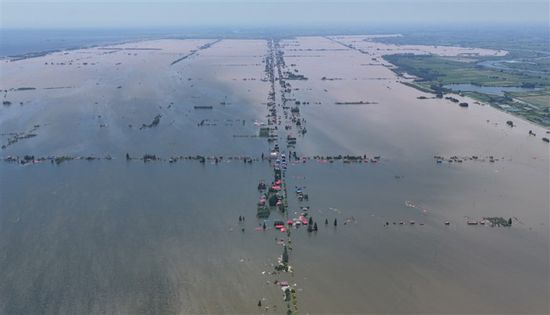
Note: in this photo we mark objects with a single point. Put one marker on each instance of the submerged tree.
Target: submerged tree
(287, 295)
(285, 255)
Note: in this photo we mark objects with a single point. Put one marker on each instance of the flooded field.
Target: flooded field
(127, 170)
(497, 90)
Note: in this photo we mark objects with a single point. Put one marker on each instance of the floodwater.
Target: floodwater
(128, 237)
(495, 90)
(504, 64)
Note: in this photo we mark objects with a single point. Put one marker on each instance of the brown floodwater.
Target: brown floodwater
(128, 237)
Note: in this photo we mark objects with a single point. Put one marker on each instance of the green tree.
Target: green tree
(285, 255)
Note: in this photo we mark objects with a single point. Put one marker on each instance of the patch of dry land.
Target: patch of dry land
(126, 171)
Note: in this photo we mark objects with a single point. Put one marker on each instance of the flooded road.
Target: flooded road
(128, 236)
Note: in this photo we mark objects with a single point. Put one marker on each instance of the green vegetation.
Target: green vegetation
(526, 65)
(528, 42)
(285, 256)
(539, 98)
(499, 221)
(434, 72)
(442, 71)
(264, 132)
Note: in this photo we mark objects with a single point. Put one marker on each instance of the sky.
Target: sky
(172, 13)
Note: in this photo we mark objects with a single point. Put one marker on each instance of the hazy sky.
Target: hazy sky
(126, 13)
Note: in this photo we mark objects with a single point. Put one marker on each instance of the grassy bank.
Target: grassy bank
(434, 72)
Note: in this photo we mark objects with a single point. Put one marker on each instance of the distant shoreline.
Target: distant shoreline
(41, 53)
(28, 43)
(18, 44)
